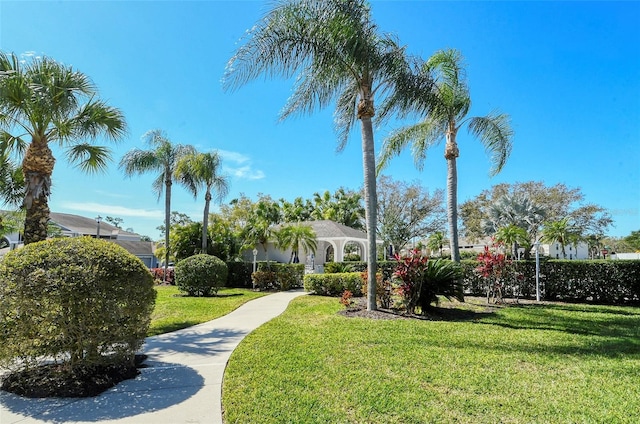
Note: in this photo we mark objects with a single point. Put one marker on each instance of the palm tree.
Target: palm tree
(559, 231)
(163, 157)
(51, 103)
(435, 241)
(295, 236)
(259, 229)
(203, 170)
(339, 55)
(513, 236)
(445, 105)
(12, 188)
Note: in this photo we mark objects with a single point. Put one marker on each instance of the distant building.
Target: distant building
(78, 226)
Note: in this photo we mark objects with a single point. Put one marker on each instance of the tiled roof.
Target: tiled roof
(330, 229)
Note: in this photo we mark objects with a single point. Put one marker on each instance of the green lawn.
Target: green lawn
(515, 364)
(174, 311)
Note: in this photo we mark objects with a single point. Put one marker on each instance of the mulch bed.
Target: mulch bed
(57, 380)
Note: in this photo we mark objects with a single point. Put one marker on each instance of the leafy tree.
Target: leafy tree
(203, 170)
(344, 207)
(633, 240)
(436, 241)
(115, 221)
(295, 236)
(339, 54)
(298, 211)
(407, 211)
(162, 158)
(527, 205)
(445, 105)
(51, 103)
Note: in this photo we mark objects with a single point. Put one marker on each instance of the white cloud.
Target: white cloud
(243, 170)
(114, 210)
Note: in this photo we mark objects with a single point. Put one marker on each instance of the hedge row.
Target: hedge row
(334, 284)
(277, 276)
(602, 281)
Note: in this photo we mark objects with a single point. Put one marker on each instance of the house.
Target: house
(77, 226)
(333, 240)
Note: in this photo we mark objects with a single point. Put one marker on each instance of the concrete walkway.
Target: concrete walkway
(181, 384)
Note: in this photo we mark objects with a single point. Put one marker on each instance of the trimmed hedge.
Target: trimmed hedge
(278, 276)
(334, 284)
(201, 275)
(599, 281)
(239, 274)
(80, 301)
(385, 267)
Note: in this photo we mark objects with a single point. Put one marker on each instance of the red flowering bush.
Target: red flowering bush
(346, 299)
(493, 268)
(158, 275)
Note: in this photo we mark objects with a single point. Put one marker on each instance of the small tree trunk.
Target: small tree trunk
(167, 221)
(205, 220)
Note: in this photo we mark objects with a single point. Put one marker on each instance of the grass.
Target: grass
(173, 311)
(513, 364)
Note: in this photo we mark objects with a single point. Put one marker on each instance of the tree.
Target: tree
(203, 170)
(339, 54)
(436, 241)
(344, 207)
(445, 105)
(51, 103)
(12, 188)
(407, 211)
(560, 231)
(298, 211)
(633, 240)
(162, 158)
(115, 221)
(294, 236)
(513, 236)
(259, 229)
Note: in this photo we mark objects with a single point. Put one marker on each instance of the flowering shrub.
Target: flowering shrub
(158, 275)
(409, 270)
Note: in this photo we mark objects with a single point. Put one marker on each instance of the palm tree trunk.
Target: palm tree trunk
(37, 167)
(167, 223)
(370, 196)
(205, 220)
(450, 154)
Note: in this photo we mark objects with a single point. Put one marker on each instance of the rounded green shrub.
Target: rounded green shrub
(77, 301)
(201, 275)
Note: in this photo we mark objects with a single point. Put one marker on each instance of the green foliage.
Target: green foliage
(81, 301)
(201, 275)
(352, 257)
(277, 276)
(334, 284)
(385, 267)
(597, 281)
(239, 274)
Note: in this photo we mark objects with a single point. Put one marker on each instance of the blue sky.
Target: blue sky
(568, 73)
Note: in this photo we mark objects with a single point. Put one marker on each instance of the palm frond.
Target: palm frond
(89, 158)
(420, 136)
(495, 133)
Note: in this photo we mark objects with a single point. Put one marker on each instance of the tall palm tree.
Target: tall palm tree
(338, 54)
(203, 170)
(295, 236)
(162, 158)
(445, 105)
(49, 102)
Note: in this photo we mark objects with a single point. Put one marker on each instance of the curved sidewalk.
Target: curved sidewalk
(181, 384)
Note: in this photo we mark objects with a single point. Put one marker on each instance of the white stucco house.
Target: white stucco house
(332, 239)
(76, 226)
